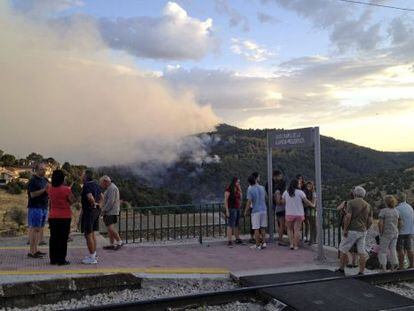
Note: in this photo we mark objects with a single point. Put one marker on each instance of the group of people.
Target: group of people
(292, 206)
(52, 202)
(395, 226)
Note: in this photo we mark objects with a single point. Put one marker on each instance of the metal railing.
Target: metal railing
(332, 230)
(178, 222)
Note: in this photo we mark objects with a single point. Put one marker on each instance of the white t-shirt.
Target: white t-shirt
(294, 205)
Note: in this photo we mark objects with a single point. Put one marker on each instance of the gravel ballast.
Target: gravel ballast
(151, 288)
(157, 288)
(405, 289)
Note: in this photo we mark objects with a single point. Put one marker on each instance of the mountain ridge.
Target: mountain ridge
(243, 151)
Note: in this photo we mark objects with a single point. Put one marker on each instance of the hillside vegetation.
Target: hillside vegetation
(243, 151)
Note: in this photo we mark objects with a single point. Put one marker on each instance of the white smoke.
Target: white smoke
(196, 149)
(67, 95)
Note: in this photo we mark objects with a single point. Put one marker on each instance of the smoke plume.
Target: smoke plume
(64, 93)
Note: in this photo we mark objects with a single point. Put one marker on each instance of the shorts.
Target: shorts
(110, 219)
(259, 220)
(90, 221)
(308, 212)
(405, 242)
(354, 237)
(293, 218)
(234, 217)
(280, 214)
(36, 217)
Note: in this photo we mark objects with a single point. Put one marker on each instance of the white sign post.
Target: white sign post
(298, 138)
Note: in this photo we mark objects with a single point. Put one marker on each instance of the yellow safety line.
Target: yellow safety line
(120, 270)
(27, 247)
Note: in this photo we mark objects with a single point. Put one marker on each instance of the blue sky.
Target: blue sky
(345, 67)
(299, 40)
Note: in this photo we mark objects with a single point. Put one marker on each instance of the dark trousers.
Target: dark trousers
(58, 243)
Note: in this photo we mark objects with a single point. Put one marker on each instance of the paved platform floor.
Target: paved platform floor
(213, 258)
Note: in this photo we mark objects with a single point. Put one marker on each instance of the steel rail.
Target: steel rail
(242, 294)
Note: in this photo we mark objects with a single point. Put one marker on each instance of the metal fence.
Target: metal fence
(332, 230)
(177, 222)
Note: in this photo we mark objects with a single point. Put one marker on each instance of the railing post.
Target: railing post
(200, 239)
(133, 225)
(214, 227)
(148, 225)
(126, 226)
(220, 213)
(119, 222)
(162, 216)
(140, 226)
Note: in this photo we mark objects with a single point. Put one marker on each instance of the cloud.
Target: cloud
(303, 91)
(174, 35)
(266, 18)
(250, 50)
(64, 95)
(401, 30)
(235, 17)
(347, 29)
(42, 8)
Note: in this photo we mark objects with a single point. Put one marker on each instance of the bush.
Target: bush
(76, 189)
(25, 174)
(125, 205)
(13, 188)
(18, 215)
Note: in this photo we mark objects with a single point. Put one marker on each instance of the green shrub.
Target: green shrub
(25, 174)
(18, 215)
(13, 188)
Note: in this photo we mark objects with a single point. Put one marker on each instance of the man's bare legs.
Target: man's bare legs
(91, 243)
(34, 236)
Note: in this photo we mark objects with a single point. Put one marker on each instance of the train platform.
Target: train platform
(212, 258)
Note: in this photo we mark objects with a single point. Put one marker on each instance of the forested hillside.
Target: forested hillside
(243, 151)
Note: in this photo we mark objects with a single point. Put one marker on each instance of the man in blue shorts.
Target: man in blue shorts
(38, 201)
(91, 198)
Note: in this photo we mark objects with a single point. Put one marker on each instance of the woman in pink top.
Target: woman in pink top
(293, 198)
(60, 213)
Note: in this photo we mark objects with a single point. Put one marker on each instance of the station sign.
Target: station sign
(283, 139)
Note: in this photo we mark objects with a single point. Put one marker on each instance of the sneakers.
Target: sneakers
(230, 244)
(240, 242)
(109, 247)
(40, 253)
(339, 270)
(258, 247)
(89, 261)
(35, 255)
(264, 245)
(352, 266)
(296, 248)
(118, 246)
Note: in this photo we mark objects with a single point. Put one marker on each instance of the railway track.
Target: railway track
(246, 293)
